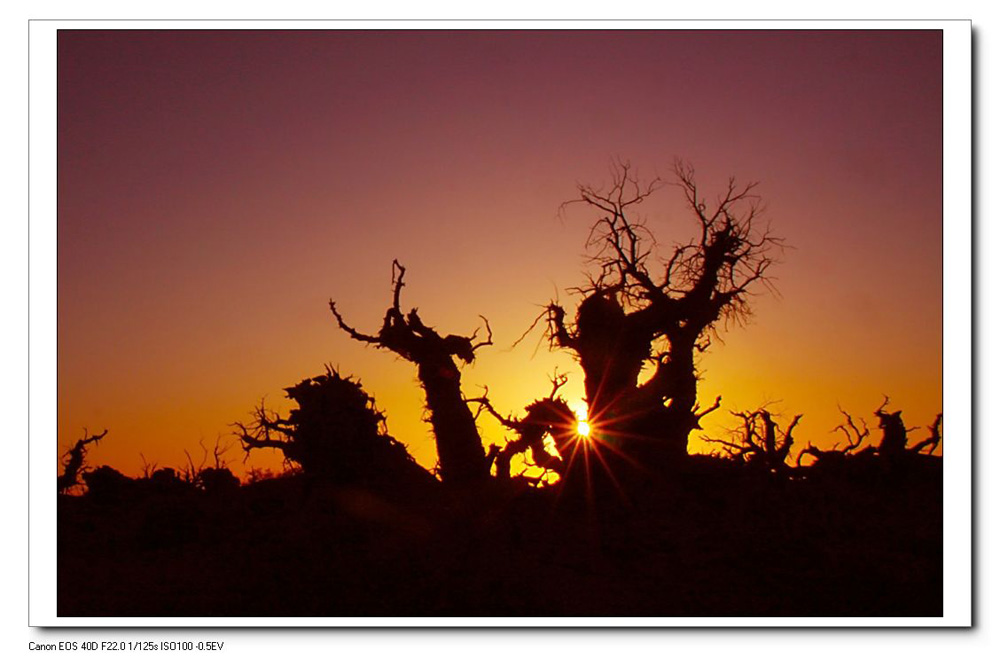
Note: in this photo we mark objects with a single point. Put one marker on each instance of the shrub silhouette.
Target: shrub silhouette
(894, 445)
(760, 441)
(842, 452)
(217, 480)
(106, 484)
(335, 433)
(549, 416)
(74, 464)
(892, 451)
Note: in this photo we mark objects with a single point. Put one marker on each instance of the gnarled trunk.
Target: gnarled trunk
(461, 456)
(632, 315)
(459, 446)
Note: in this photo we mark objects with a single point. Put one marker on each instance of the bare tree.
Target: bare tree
(74, 464)
(217, 478)
(856, 436)
(548, 416)
(336, 433)
(891, 449)
(760, 441)
(933, 440)
(895, 434)
(640, 310)
(460, 449)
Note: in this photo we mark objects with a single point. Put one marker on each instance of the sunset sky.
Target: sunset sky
(216, 189)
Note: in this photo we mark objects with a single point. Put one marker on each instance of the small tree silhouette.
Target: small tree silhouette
(933, 440)
(548, 416)
(891, 450)
(74, 464)
(460, 448)
(639, 311)
(841, 452)
(894, 444)
(215, 479)
(335, 433)
(760, 441)
(106, 484)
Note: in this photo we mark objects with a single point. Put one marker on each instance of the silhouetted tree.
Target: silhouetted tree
(639, 310)
(74, 461)
(548, 416)
(460, 450)
(106, 484)
(215, 479)
(166, 481)
(841, 451)
(933, 440)
(894, 444)
(760, 441)
(892, 448)
(335, 433)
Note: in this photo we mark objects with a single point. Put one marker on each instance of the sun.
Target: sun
(582, 425)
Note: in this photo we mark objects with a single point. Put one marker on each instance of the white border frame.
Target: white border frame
(957, 212)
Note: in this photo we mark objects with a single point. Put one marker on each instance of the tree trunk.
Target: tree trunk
(459, 446)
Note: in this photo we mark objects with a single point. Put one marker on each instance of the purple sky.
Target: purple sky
(217, 188)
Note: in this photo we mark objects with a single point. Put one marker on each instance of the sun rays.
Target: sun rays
(596, 450)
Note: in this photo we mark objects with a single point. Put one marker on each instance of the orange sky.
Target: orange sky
(216, 189)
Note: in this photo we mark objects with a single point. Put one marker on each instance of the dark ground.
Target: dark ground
(717, 540)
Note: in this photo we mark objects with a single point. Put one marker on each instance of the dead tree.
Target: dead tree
(216, 479)
(894, 445)
(74, 461)
(335, 433)
(841, 451)
(639, 310)
(894, 433)
(892, 448)
(933, 440)
(760, 441)
(548, 416)
(460, 449)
